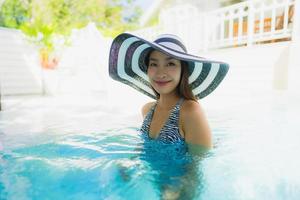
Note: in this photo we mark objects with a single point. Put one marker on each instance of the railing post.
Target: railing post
(240, 25)
(250, 23)
(222, 29)
(296, 22)
(231, 18)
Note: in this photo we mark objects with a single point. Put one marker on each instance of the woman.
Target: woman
(164, 71)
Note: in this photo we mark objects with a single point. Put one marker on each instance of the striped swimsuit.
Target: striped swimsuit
(170, 131)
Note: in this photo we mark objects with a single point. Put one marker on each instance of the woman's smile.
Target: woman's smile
(163, 72)
(161, 83)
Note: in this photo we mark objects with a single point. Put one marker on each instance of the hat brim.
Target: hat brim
(127, 65)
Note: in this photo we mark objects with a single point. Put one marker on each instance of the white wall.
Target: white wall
(82, 67)
(19, 69)
(256, 71)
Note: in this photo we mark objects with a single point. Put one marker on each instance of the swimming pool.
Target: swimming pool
(90, 151)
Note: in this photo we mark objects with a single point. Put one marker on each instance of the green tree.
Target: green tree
(43, 20)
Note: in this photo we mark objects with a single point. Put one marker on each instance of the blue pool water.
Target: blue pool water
(67, 151)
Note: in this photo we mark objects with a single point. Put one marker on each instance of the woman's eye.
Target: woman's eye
(171, 64)
(152, 65)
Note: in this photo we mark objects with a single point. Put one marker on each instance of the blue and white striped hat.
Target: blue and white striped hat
(127, 63)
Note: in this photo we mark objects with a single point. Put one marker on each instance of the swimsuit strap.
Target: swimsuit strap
(174, 115)
(174, 112)
(170, 130)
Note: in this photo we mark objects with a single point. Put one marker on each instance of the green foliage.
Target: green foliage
(154, 20)
(45, 19)
(13, 13)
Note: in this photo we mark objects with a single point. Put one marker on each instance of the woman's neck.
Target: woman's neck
(167, 101)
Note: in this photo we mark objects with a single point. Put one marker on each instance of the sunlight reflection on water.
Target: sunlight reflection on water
(94, 151)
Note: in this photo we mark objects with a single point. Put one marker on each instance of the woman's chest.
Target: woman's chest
(157, 123)
(164, 122)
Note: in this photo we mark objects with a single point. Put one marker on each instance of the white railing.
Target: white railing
(247, 23)
(251, 22)
(183, 20)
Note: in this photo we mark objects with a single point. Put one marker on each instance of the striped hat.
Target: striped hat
(127, 64)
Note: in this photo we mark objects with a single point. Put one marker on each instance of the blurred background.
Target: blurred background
(60, 47)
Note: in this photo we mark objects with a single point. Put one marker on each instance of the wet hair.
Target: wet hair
(183, 89)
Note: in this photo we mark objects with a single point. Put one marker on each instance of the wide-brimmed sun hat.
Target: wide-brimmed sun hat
(127, 64)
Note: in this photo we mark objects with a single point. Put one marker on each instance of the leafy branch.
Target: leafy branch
(43, 20)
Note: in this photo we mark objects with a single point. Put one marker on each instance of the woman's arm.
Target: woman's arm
(195, 127)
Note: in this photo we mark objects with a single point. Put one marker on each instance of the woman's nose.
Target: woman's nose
(161, 72)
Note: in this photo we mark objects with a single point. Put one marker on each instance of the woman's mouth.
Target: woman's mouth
(162, 83)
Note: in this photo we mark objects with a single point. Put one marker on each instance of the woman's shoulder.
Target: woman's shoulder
(147, 107)
(191, 110)
(190, 106)
(194, 124)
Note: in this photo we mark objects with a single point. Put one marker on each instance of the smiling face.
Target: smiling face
(163, 72)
